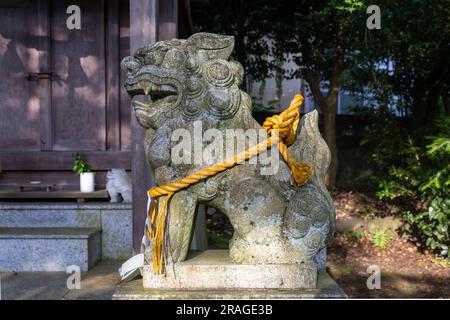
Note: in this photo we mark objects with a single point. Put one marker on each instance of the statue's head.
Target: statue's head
(191, 77)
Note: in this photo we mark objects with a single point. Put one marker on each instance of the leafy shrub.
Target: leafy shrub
(381, 237)
(424, 174)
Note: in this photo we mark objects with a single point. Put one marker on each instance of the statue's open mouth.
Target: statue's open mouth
(154, 95)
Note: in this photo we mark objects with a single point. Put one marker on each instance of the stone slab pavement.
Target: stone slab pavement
(99, 283)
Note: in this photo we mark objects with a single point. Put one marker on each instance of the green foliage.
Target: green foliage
(385, 136)
(357, 234)
(381, 237)
(406, 62)
(267, 32)
(423, 174)
(79, 166)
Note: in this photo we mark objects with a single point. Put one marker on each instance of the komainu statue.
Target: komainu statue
(193, 86)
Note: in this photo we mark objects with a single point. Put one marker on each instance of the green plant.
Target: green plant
(424, 175)
(381, 237)
(79, 166)
(355, 234)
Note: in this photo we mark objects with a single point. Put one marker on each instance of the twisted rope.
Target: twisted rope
(282, 131)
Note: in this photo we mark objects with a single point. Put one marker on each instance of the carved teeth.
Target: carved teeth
(146, 86)
(141, 104)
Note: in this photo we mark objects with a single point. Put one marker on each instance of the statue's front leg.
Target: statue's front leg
(182, 210)
(183, 206)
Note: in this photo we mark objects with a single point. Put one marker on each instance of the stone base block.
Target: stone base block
(212, 269)
(114, 219)
(48, 249)
(326, 289)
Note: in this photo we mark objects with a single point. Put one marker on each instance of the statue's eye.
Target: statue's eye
(154, 57)
(150, 58)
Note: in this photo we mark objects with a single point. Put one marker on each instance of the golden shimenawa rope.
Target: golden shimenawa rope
(281, 129)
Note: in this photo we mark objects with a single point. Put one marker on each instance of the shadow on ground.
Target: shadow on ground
(401, 277)
(97, 284)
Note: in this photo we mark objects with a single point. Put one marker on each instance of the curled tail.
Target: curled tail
(313, 199)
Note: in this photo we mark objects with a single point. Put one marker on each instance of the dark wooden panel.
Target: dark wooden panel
(56, 161)
(167, 20)
(44, 85)
(125, 101)
(19, 54)
(112, 76)
(185, 28)
(78, 93)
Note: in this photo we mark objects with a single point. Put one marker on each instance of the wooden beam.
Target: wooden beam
(143, 30)
(62, 160)
(64, 180)
(12, 194)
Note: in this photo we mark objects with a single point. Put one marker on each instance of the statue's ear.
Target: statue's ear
(215, 46)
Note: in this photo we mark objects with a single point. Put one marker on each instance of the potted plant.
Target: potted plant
(86, 175)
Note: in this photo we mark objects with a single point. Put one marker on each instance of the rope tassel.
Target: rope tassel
(282, 130)
(158, 220)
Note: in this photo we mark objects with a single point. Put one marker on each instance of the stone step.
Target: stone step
(49, 249)
(48, 216)
(114, 219)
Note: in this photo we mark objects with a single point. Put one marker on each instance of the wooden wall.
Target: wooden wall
(74, 100)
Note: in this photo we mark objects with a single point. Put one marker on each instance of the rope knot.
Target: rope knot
(275, 125)
(284, 125)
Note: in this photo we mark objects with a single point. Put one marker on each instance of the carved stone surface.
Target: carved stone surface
(274, 221)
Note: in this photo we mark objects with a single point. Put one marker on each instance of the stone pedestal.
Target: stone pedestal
(211, 275)
(212, 269)
(326, 289)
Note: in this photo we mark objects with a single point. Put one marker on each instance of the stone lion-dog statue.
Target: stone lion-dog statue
(274, 220)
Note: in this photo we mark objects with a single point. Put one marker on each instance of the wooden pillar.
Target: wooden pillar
(145, 28)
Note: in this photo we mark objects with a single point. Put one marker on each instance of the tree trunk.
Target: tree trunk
(328, 105)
